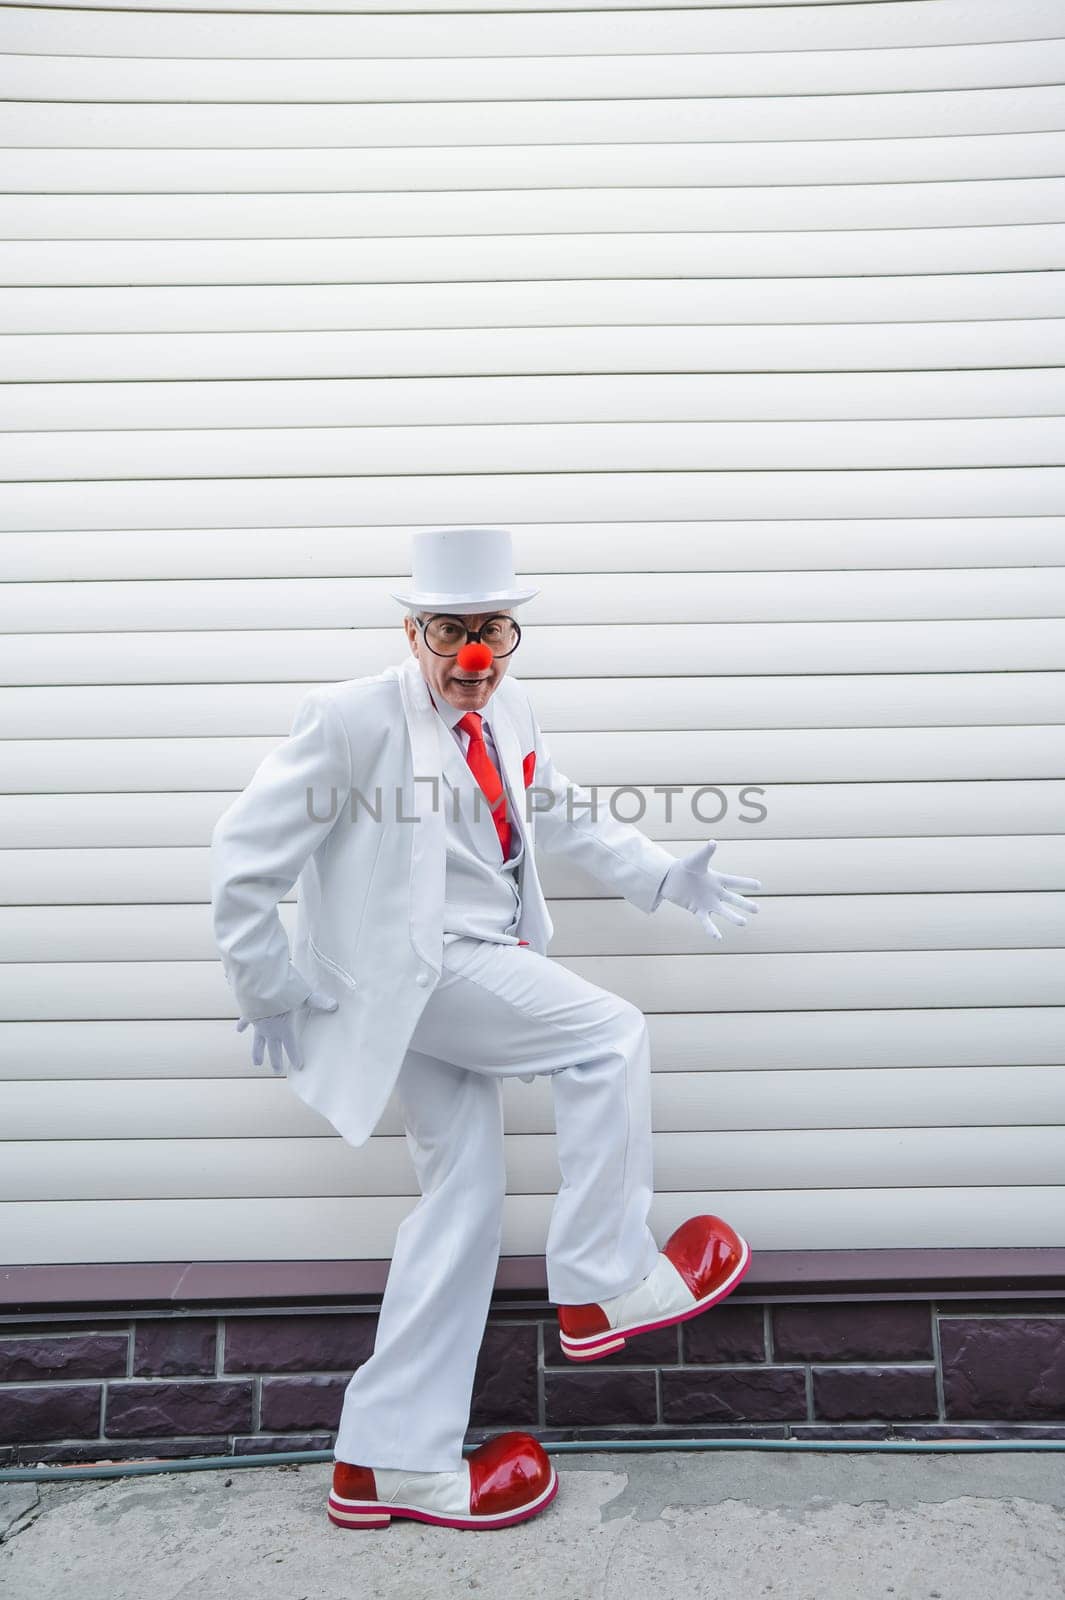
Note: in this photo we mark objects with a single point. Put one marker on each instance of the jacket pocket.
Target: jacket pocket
(344, 976)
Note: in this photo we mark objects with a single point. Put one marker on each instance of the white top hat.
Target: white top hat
(462, 570)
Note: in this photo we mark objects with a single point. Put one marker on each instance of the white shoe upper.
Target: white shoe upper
(661, 1293)
(446, 1493)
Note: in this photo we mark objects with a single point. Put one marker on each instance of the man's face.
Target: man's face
(468, 691)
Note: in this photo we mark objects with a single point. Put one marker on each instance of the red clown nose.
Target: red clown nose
(474, 657)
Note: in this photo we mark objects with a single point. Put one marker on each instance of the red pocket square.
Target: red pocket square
(527, 767)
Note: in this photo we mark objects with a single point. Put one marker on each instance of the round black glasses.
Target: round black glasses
(445, 633)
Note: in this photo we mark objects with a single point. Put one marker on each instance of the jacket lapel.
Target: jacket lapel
(428, 848)
(453, 763)
(428, 857)
(429, 844)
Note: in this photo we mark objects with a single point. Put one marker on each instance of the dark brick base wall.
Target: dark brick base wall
(124, 1385)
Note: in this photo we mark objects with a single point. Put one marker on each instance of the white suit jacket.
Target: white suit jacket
(370, 891)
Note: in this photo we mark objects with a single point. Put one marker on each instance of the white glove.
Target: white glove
(692, 883)
(277, 1031)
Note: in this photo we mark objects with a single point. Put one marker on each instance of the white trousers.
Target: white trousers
(497, 1011)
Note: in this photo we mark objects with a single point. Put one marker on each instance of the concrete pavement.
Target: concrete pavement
(791, 1526)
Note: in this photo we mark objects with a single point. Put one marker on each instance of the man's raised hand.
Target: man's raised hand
(693, 884)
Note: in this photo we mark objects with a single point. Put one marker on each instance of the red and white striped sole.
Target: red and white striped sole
(379, 1513)
(594, 1345)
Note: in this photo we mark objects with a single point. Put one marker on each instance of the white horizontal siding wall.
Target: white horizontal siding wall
(748, 320)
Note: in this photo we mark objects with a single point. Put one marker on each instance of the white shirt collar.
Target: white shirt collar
(452, 714)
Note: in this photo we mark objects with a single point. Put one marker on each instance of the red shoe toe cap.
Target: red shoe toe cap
(507, 1472)
(704, 1250)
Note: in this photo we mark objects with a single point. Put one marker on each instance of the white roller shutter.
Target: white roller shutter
(748, 321)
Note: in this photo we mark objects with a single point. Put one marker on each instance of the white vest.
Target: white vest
(482, 892)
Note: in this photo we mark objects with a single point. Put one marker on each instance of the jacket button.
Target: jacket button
(422, 979)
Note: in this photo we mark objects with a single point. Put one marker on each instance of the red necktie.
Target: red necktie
(484, 770)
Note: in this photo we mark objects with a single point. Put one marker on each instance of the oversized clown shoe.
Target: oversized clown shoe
(505, 1480)
(701, 1262)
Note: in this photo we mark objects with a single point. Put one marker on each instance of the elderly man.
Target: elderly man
(409, 804)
